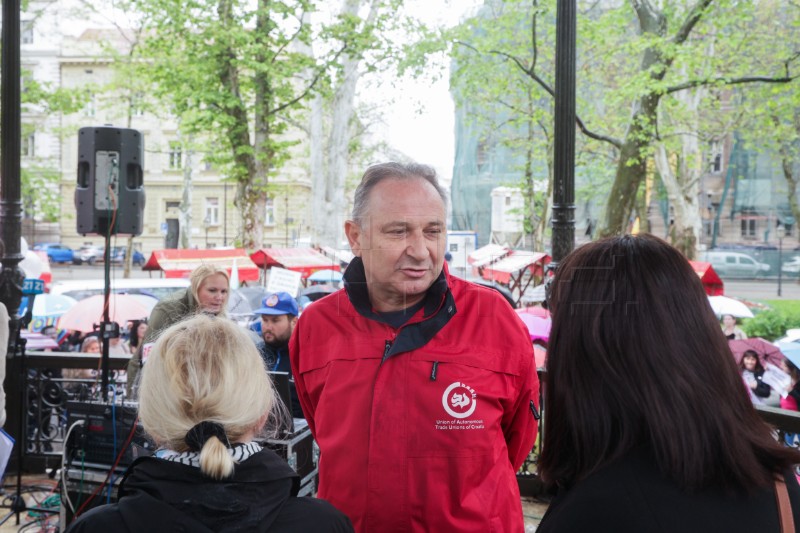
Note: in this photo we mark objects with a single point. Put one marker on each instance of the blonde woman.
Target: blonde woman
(203, 400)
(207, 293)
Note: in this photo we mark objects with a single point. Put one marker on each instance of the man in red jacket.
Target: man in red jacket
(419, 387)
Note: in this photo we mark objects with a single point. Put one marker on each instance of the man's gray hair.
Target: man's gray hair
(383, 171)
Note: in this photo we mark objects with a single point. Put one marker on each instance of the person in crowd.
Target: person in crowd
(792, 398)
(208, 291)
(138, 330)
(753, 373)
(649, 427)
(278, 317)
(730, 328)
(204, 399)
(419, 387)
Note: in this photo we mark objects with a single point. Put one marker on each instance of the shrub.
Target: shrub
(771, 324)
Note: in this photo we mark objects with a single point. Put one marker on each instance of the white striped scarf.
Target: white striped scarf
(239, 452)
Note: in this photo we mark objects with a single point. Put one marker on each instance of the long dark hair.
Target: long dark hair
(754, 355)
(637, 360)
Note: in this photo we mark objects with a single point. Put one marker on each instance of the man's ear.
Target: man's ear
(354, 236)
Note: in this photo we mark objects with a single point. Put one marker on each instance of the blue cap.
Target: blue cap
(279, 303)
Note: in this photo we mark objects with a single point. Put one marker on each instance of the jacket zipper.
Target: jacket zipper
(387, 347)
(434, 369)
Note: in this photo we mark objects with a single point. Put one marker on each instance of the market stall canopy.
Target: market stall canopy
(486, 255)
(342, 257)
(711, 280)
(180, 263)
(303, 260)
(516, 262)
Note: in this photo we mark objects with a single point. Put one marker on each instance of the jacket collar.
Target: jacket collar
(439, 307)
(355, 284)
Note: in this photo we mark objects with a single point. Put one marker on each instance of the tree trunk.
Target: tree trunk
(329, 210)
(186, 199)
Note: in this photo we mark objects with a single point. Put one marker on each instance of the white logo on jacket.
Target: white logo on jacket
(459, 400)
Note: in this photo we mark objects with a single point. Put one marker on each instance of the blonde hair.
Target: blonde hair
(202, 273)
(204, 369)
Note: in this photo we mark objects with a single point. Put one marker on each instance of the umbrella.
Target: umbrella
(148, 300)
(539, 355)
(535, 310)
(238, 304)
(326, 276)
(122, 308)
(722, 305)
(47, 305)
(538, 327)
(791, 350)
(254, 295)
(768, 352)
(315, 292)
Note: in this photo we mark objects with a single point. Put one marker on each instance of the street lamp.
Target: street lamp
(781, 232)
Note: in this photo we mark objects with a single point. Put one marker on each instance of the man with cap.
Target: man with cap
(278, 317)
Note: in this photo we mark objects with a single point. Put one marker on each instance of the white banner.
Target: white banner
(284, 280)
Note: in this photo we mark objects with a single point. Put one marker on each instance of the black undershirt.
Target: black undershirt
(397, 319)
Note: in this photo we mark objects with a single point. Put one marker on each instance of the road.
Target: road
(763, 289)
(67, 272)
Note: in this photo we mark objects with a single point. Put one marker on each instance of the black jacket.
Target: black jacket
(162, 496)
(276, 359)
(631, 496)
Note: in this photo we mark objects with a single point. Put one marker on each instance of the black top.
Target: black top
(163, 496)
(631, 496)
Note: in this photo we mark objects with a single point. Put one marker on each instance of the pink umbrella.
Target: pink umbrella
(539, 355)
(538, 327)
(122, 308)
(767, 352)
(535, 310)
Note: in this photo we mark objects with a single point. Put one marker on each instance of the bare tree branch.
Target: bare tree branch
(726, 81)
(535, 77)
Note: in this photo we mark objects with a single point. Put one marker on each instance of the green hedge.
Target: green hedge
(773, 323)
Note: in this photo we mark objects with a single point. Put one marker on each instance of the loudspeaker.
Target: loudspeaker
(109, 198)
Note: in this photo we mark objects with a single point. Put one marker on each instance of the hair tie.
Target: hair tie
(196, 437)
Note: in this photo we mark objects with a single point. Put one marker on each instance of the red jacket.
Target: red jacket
(420, 428)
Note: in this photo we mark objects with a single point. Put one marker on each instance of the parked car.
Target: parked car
(792, 267)
(735, 264)
(88, 254)
(118, 256)
(57, 253)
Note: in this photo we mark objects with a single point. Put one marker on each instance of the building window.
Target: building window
(269, 212)
(137, 108)
(715, 157)
(749, 227)
(212, 211)
(175, 155)
(26, 31)
(28, 148)
(91, 106)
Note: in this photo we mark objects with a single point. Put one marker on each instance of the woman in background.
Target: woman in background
(649, 426)
(204, 398)
(730, 329)
(208, 291)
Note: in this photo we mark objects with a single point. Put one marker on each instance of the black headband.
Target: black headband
(196, 437)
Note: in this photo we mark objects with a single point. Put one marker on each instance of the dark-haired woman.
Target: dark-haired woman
(753, 374)
(649, 427)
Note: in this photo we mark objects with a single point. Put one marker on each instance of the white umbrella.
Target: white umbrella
(722, 305)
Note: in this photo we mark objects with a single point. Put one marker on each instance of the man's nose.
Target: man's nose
(416, 247)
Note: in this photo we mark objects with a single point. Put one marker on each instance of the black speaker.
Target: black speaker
(109, 198)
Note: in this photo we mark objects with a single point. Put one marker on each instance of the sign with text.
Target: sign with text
(32, 286)
(281, 279)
